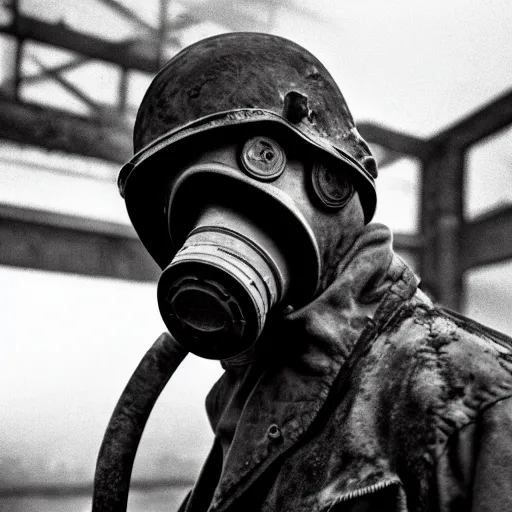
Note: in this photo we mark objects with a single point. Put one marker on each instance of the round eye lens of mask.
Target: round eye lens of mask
(263, 159)
(333, 187)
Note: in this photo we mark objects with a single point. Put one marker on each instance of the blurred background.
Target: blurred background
(429, 84)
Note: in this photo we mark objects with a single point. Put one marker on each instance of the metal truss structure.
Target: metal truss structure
(447, 245)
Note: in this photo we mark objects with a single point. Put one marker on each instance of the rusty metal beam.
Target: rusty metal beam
(482, 123)
(58, 130)
(129, 14)
(488, 238)
(43, 75)
(162, 32)
(18, 58)
(184, 21)
(62, 243)
(442, 206)
(450, 218)
(396, 141)
(122, 101)
(485, 121)
(120, 53)
(68, 85)
(57, 242)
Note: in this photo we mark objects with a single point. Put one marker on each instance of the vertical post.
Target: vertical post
(428, 212)
(450, 223)
(17, 69)
(123, 91)
(19, 51)
(442, 219)
(162, 33)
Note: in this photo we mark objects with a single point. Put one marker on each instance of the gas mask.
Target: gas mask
(240, 230)
(241, 218)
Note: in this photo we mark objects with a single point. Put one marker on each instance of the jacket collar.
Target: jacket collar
(259, 410)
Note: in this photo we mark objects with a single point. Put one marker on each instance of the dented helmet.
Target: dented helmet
(226, 81)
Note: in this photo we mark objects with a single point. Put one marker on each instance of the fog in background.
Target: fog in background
(69, 343)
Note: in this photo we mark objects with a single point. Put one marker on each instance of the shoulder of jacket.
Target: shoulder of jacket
(446, 367)
(477, 368)
(442, 327)
(447, 354)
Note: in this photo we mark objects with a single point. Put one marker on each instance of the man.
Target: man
(345, 388)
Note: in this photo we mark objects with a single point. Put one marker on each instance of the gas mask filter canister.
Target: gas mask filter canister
(230, 271)
(243, 245)
(217, 291)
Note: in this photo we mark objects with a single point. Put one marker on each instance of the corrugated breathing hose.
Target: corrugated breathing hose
(121, 440)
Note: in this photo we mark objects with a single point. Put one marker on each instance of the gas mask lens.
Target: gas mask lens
(216, 293)
(332, 186)
(262, 158)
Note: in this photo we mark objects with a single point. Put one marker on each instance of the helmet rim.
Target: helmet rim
(224, 119)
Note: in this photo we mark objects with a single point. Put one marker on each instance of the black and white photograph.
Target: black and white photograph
(255, 256)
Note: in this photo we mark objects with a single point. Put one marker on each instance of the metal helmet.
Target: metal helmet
(230, 80)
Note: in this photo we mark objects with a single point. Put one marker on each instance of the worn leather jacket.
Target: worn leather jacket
(370, 398)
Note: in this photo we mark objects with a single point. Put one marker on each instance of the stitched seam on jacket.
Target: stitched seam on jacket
(439, 411)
